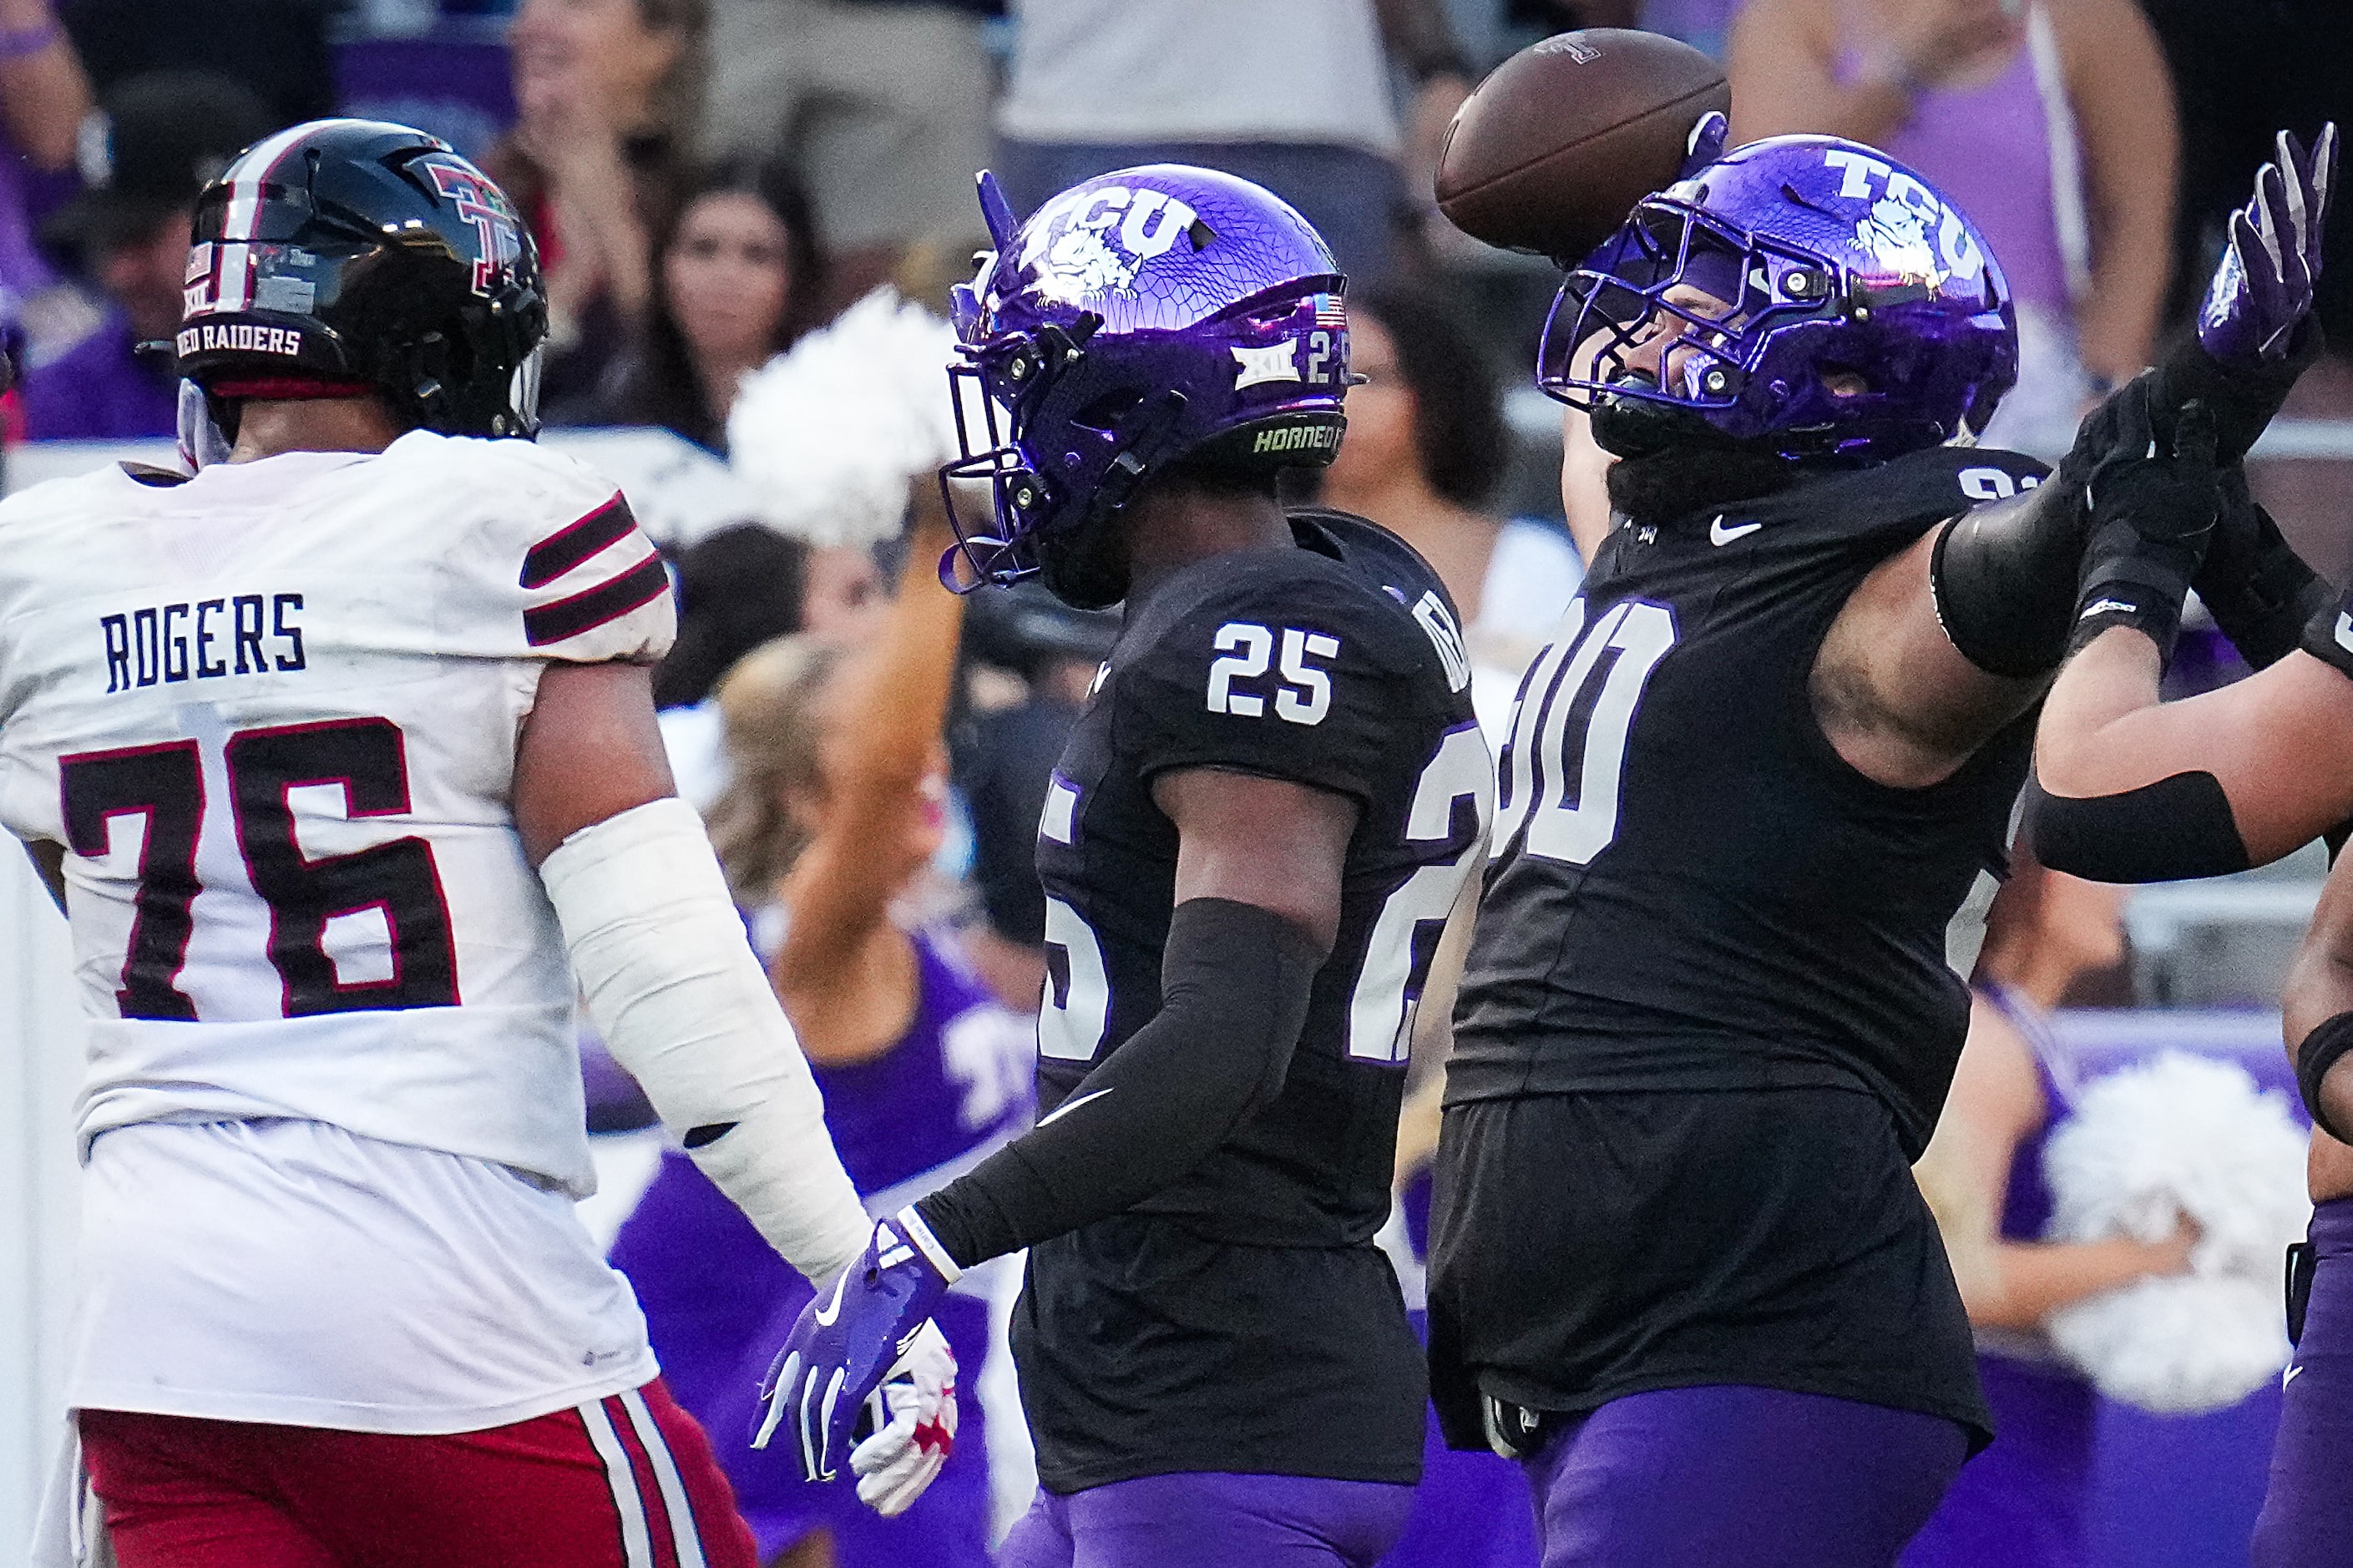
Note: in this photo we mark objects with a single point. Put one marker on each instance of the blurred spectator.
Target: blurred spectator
(1425, 448)
(1295, 97)
(44, 98)
(836, 809)
(737, 589)
(2021, 1502)
(737, 278)
(606, 94)
(2049, 122)
(2242, 73)
(1705, 25)
(277, 48)
(165, 135)
(883, 107)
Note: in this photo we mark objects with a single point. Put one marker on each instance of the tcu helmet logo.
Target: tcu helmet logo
(1093, 242)
(485, 206)
(1908, 222)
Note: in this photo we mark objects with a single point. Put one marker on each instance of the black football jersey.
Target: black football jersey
(1241, 1319)
(1688, 887)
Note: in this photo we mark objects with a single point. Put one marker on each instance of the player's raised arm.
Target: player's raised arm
(2133, 790)
(1956, 634)
(840, 889)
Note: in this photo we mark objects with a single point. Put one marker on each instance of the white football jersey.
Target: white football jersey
(270, 711)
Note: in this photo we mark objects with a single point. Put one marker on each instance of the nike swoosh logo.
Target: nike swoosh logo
(1067, 1106)
(1719, 534)
(2344, 630)
(832, 1309)
(2293, 1369)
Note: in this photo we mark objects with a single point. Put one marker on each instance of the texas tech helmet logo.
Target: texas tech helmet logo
(484, 205)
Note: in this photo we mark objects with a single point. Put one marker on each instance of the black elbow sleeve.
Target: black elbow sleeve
(1234, 987)
(2314, 1055)
(2004, 580)
(2260, 592)
(2176, 828)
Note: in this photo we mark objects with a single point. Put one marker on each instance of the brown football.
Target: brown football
(1558, 143)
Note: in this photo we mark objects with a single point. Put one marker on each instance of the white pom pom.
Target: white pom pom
(2181, 1135)
(828, 434)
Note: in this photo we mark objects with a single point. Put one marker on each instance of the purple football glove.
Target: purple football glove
(2263, 287)
(847, 1339)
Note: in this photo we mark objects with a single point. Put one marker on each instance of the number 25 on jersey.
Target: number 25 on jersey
(1563, 767)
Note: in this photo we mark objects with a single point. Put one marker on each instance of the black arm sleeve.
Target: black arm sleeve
(2314, 1055)
(2005, 574)
(1234, 982)
(2178, 827)
(2004, 579)
(2261, 592)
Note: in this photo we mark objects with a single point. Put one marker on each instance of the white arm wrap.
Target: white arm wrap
(684, 1005)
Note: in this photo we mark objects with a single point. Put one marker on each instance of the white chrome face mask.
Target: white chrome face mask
(201, 441)
(523, 392)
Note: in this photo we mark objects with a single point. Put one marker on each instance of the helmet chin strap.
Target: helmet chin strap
(1084, 566)
(1629, 427)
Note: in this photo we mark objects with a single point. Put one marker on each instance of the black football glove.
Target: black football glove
(2153, 510)
(2260, 591)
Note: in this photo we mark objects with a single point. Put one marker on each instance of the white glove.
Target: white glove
(913, 1413)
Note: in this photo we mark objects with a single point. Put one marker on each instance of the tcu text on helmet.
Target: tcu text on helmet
(1142, 223)
(1954, 243)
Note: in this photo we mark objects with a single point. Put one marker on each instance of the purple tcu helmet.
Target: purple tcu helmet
(1826, 256)
(1147, 315)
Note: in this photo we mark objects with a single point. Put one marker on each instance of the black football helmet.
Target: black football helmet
(346, 251)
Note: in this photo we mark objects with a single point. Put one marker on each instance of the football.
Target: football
(1554, 149)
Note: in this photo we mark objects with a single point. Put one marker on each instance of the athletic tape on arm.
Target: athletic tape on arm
(2174, 827)
(684, 1005)
(2314, 1055)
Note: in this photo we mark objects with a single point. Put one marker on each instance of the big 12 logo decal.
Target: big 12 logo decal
(484, 205)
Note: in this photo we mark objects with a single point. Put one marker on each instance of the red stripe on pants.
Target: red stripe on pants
(181, 1492)
(649, 1492)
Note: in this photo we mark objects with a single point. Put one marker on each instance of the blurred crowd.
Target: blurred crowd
(710, 181)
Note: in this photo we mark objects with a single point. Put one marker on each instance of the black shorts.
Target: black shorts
(1146, 1350)
(1585, 1246)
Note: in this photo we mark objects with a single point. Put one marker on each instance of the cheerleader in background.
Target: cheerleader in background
(2021, 1502)
(836, 804)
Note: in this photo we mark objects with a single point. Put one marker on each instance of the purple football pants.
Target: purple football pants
(2021, 1502)
(1733, 1477)
(1187, 1521)
(2308, 1518)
